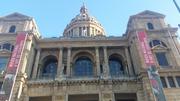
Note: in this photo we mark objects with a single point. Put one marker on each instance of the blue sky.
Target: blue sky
(52, 16)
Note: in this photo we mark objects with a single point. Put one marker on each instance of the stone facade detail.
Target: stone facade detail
(86, 65)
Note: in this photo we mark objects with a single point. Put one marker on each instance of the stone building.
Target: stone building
(86, 65)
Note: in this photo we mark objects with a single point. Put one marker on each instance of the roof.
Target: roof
(148, 13)
(16, 16)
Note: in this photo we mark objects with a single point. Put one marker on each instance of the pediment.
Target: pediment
(159, 47)
(16, 16)
(148, 13)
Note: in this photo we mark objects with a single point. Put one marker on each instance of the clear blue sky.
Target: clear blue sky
(53, 15)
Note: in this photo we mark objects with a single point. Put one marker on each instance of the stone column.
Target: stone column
(106, 65)
(69, 62)
(167, 83)
(36, 64)
(60, 68)
(176, 83)
(129, 67)
(97, 61)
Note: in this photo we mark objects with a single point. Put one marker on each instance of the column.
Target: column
(106, 66)
(129, 67)
(69, 62)
(167, 82)
(97, 61)
(175, 81)
(60, 67)
(36, 64)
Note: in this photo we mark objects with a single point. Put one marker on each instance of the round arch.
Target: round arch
(83, 64)
(49, 67)
(116, 65)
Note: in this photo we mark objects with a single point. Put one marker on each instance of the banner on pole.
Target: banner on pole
(153, 74)
(13, 67)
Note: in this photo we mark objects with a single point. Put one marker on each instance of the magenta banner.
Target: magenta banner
(146, 50)
(13, 67)
(150, 67)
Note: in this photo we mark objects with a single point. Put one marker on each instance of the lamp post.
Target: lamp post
(175, 3)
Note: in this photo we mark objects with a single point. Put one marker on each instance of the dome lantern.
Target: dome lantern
(83, 25)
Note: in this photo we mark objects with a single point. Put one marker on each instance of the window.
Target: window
(12, 29)
(7, 46)
(64, 70)
(1, 83)
(101, 69)
(150, 26)
(163, 81)
(116, 67)
(3, 63)
(156, 43)
(83, 67)
(80, 31)
(49, 67)
(161, 58)
(171, 82)
(178, 80)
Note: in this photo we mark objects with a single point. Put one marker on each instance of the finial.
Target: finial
(83, 9)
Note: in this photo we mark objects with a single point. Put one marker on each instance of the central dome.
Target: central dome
(83, 25)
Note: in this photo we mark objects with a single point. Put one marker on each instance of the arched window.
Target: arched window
(156, 43)
(150, 26)
(49, 68)
(160, 54)
(12, 29)
(83, 67)
(116, 66)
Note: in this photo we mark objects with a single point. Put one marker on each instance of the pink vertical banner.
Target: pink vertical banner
(12, 69)
(150, 67)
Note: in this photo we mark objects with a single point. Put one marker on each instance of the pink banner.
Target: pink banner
(147, 54)
(150, 66)
(13, 67)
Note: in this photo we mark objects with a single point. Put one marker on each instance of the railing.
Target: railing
(84, 77)
(46, 76)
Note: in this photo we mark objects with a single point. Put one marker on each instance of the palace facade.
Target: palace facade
(86, 65)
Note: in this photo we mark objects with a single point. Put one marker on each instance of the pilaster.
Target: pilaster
(97, 61)
(36, 64)
(69, 61)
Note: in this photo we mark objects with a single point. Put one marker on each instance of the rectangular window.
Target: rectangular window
(163, 81)
(1, 83)
(161, 58)
(171, 82)
(178, 80)
(3, 63)
(80, 31)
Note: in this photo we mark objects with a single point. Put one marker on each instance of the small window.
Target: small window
(161, 58)
(1, 83)
(178, 80)
(171, 82)
(163, 81)
(150, 26)
(156, 43)
(64, 70)
(7, 46)
(12, 29)
(101, 69)
(3, 63)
